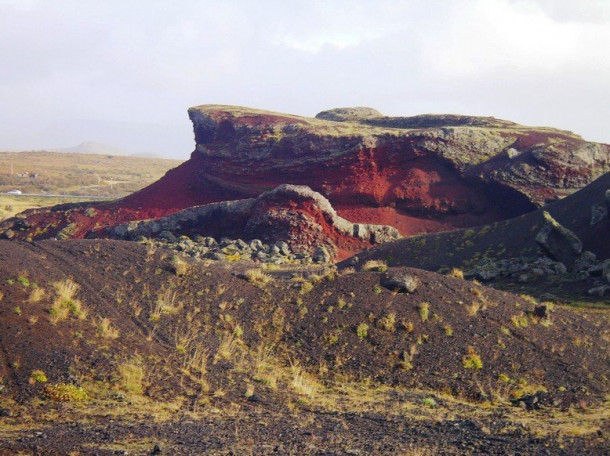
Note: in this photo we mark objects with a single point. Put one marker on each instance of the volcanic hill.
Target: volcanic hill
(109, 346)
(418, 174)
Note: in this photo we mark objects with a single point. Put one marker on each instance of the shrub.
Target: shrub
(23, 281)
(65, 392)
(362, 330)
(424, 311)
(375, 265)
(472, 360)
(38, 376)
(448, 330)
(429, 402)
(306, 287)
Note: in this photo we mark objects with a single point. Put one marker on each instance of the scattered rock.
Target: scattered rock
(512, 153)
(599, 290)
(401, 282)
(598, 213)
(541, 311)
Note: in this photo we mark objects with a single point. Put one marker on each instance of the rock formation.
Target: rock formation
(418, 174)
(296, 215)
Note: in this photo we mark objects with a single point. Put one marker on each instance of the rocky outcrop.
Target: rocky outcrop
(295, 215)
(419, 174)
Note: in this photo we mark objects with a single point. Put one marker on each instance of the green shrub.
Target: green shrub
(38, 376)
(362, 330)
(65, 392)
(472, 360)
(424, 311)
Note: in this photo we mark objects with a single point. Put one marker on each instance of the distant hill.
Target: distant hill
(95, 148)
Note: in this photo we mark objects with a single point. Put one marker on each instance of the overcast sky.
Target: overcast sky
(124, 72)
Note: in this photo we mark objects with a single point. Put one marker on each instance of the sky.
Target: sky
(124, 72)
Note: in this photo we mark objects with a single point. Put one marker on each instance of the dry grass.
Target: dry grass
(375, 265)
(229, 344)
(457, 273)
(257, 277)
(132, 374)
(36, 295)
(106, 329)
(473, 308)
(302, 382)
(179, 266)
(65, 304)
(164, 305)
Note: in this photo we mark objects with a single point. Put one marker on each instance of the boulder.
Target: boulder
(400, 281)
(558, 242)
(321, 255)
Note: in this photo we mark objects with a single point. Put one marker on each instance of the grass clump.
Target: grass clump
(179, 266)
(387, 322)
(520, 321)
(36, 295)
(362, 330)
(424, 311)
(65, 392)
(457, 273)
(65, 304)
(23, 281)
(472, 360)
(473, 308)
(132, 375)
(106, 329)
(257, 277)
(164, 305)
(375, 265)
(306, 287)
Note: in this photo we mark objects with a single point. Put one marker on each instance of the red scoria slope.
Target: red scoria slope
(419, 174)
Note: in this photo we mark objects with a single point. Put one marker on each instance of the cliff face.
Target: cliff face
(419, 174)
(423, 173)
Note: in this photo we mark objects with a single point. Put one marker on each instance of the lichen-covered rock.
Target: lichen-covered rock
(558, 241)
(400, 281)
